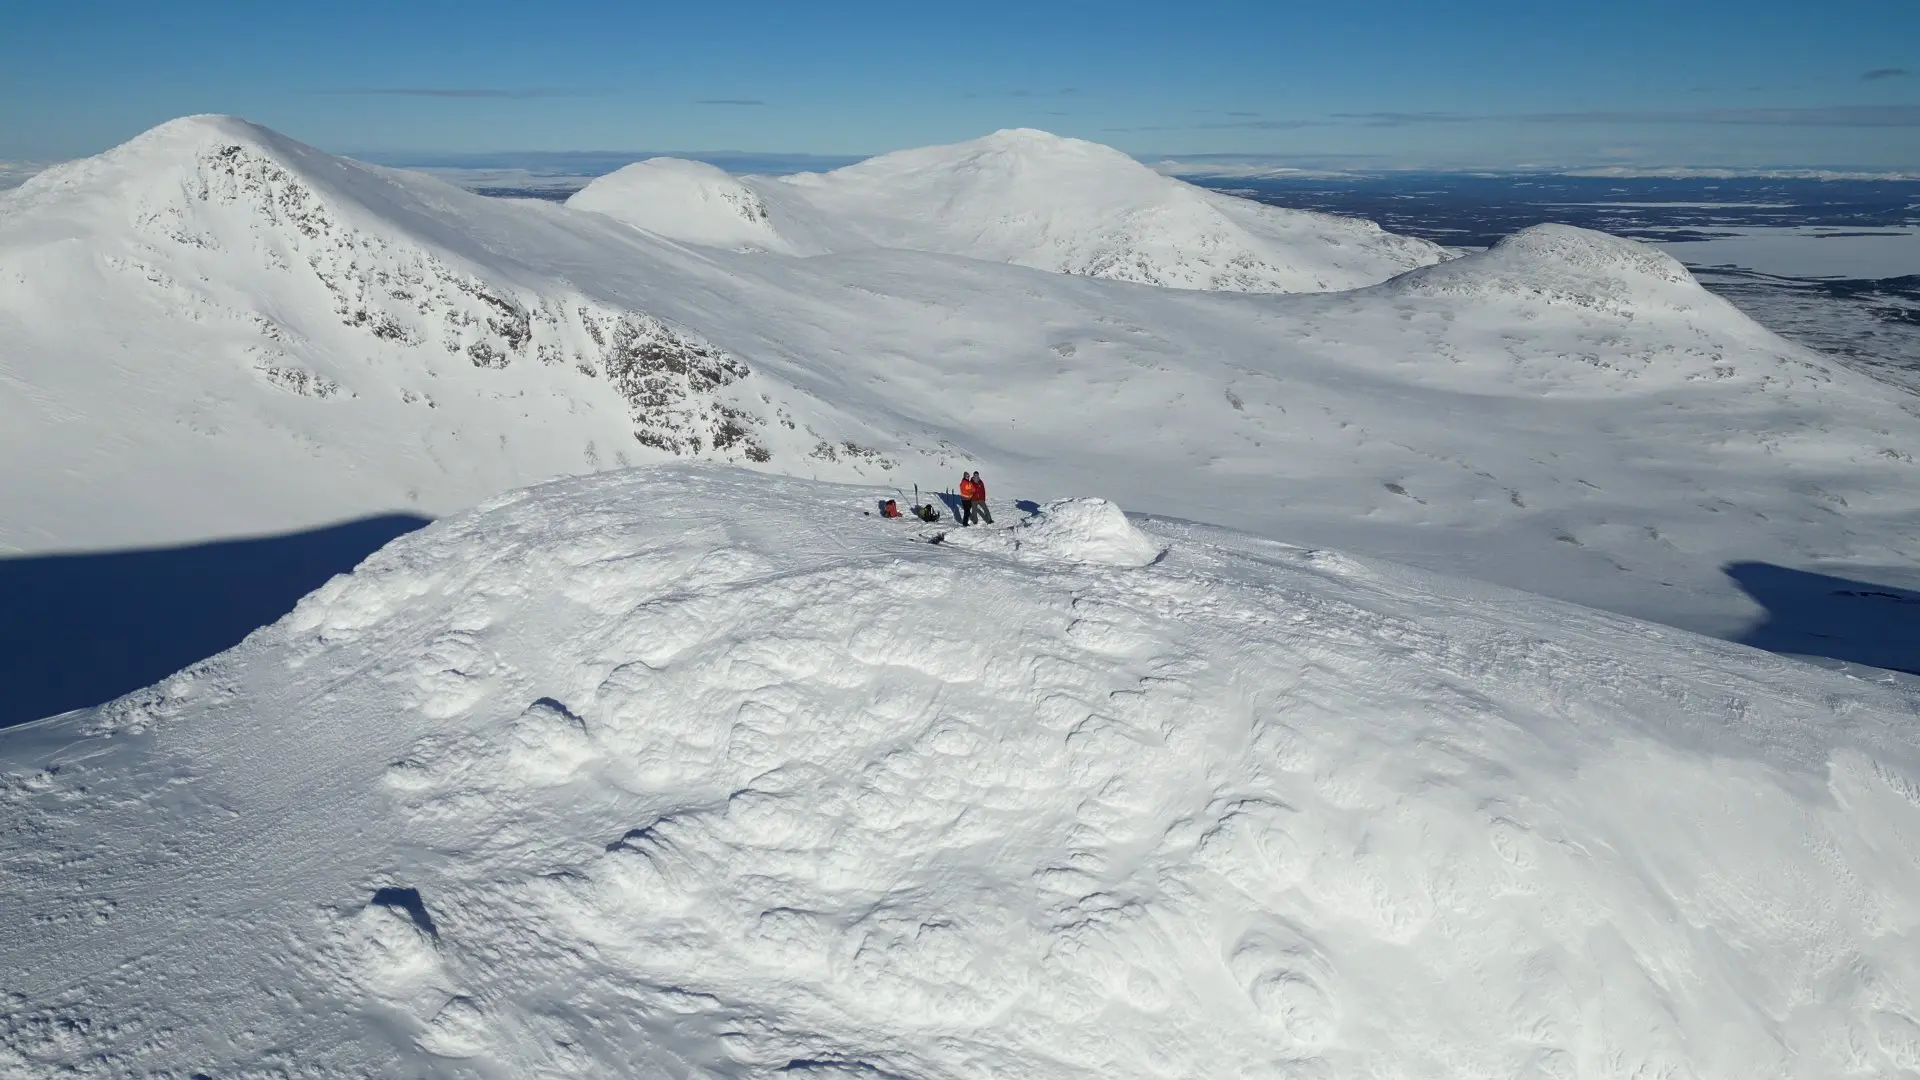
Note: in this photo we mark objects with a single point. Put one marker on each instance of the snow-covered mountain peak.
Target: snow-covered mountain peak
(147, 162)
(1550, 254)
(1017, 196)
(174, 142)
(291, 273)
(169, 181)
(1071, 206)
(186, 135)
(1034, 138)
(1024, 157)
(1565, 264)
(1594, 252)
(685, 200)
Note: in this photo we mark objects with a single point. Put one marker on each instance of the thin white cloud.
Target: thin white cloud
(504, 92)
(1832, 116)
(1817, 116)
(15, 173)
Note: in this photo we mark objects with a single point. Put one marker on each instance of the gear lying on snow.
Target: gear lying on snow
(642, 780)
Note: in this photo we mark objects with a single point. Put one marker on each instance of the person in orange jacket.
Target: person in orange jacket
(973, 499)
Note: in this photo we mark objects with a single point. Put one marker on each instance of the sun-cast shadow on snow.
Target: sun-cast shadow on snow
(79, 630)
(1811, 614)
(954, 505)
(407, 901)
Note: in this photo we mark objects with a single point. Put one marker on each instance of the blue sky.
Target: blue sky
(1397, 82)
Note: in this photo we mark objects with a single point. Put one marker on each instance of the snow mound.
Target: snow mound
(1596, 253)
(689, 201)
(1564, 264)
(626, 776)
(1071, 530)
(1076, 207)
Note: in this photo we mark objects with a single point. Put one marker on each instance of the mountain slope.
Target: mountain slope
(623, 776)
(1569, 414)
(256, 313)
(1023, 197)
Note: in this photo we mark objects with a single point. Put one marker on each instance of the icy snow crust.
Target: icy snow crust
(214, 331)
(639, 775)
(1023, 197)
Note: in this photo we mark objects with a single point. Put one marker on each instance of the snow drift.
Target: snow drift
(1072, 530)
(624, 776)
(1023, 197)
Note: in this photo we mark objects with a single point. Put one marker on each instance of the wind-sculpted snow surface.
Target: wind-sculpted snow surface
(1024, 197)
(625, 776)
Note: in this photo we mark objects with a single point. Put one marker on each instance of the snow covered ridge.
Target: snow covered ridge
(625, 775)
(280, 218)
(1023, 197)
(202, 342)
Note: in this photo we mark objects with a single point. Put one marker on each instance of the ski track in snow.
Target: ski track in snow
(623, 775)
